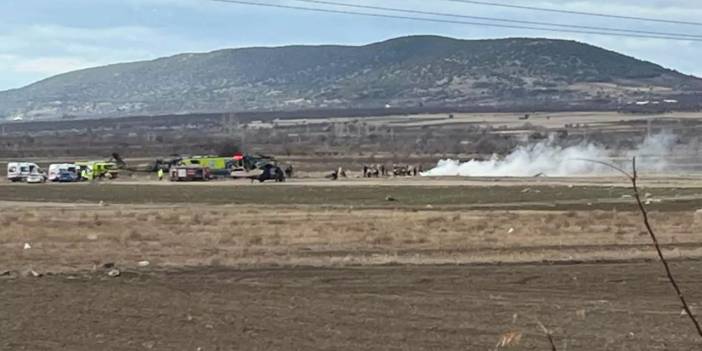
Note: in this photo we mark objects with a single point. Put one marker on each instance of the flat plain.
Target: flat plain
(419, 264)
(357, 264)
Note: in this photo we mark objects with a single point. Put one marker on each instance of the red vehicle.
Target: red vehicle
(189, 173)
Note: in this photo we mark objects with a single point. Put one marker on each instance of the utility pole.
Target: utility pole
(649, 124)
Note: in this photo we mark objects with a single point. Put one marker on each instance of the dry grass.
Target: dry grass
(77, 238)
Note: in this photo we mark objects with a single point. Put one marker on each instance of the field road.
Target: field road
(424, 195)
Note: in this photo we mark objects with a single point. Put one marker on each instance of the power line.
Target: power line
(448, 21)
(444, 14)
(582, 13)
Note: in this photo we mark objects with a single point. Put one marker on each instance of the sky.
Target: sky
(41, 38)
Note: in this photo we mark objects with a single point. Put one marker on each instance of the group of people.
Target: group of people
(374, 171)
(379, 170)
(337, 173)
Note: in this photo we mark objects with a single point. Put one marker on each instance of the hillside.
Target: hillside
(403, 72)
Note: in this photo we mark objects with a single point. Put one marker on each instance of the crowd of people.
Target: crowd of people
(380, 170)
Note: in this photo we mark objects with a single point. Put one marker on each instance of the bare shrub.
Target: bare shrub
(135, 235)
(381, 239)
(435, 220)
(255, 239)
(96, 220)
(172, 218)
(196, 219)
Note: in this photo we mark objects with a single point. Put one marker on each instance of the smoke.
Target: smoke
(548, 159)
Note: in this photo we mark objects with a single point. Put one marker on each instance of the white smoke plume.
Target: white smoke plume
(548, 159)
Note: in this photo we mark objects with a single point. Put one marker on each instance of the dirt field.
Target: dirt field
(417, 194)
(589, 307)
(309, 265)
(64, 239)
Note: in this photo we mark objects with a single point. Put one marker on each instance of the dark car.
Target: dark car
(270, 172)
(66, 177)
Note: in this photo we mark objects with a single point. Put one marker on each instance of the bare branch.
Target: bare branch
(668, 272)
(633, 177)
(548, 334)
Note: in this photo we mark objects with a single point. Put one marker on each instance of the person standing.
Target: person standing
(160, 174)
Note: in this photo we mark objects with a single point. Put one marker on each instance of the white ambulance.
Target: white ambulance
(55, 170)
(19, 171)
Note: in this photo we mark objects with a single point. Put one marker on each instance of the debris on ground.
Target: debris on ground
(92, 237)
(509, 339)
(114, 272)
(651, 201)
(108, 265)
(143, 263)
(510, 231)
(27, 246)
(31, 273)
(390, 198)
(7, 274)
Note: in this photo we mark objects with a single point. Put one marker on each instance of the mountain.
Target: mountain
(404, 72)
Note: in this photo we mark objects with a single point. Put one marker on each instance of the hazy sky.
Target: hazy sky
(40, 38)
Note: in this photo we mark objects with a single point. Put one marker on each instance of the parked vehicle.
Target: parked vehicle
(89, 170)
(36, 177)
(66, 177)
(215, 164)
(270, 172)
(225, 165)
(152, 166)
(19, 171)
(249, 167)
(189, 173)
(56, 169)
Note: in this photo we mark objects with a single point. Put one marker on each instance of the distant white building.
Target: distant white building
(259, 125)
